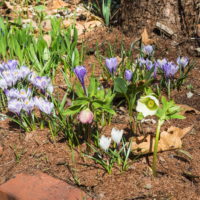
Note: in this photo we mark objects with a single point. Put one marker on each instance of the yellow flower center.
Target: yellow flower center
(150, 103)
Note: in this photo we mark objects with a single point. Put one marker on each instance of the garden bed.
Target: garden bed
(178, 171)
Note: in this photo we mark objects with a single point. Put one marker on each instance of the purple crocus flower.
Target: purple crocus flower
(23, 94)
(9, 78)
(160, 63)
(111, 64)
(147, 50)
(149, 64)
(3, 84)
(17, 74)
(2, 67)
(32, 76)
(12, 93)
(182, 61)
(41, 82)
(128, 75)
(80, 72)
(44, 105)
(24, 71)
(141, 61)
(170, 69)
(28, 105)
(15, 106)
(11, 65)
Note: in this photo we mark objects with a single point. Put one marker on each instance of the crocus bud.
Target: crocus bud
(147, 50)
(86, 116)
(104, 142)
(182, 61)
(128, 75)
(111, 64)
(80, 72)
(116, 135)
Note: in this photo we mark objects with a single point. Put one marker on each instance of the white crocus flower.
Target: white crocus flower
(147, 105)
(104, 142)
(116, 135)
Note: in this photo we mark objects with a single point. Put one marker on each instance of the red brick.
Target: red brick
(41, 187)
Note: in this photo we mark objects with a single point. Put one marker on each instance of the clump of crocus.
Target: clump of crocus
(86, 116)
(80, 72)
(147, 105)
(43, 83)
(111, 64)
(170, 69)
(128, 75)
(11, 73)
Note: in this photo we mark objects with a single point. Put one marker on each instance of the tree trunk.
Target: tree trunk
(177, 18)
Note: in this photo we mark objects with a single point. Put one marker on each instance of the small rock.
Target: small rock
(38, 155)
(61, 161)
(165, 29)
(151, 121)
(3, 117)
(2, 179)
(189, 95)
(148, 186)
(28, 136)
(161, 159)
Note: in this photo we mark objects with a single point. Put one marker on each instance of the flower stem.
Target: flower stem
(160, 122)
(169, 88)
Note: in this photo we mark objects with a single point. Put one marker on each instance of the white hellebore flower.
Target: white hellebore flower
(104, 142)
(147, 105)
(116, 135)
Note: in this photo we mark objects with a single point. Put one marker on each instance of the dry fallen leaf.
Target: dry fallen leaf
(92, 24)
(8, 5)
(46, 25)
(47, 38)
(57, 4)
(145, 38)
(170, 139)
(186, 109)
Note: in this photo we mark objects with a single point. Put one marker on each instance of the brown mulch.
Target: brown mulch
(179, 176)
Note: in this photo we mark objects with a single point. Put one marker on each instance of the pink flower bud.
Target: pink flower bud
(86, 116)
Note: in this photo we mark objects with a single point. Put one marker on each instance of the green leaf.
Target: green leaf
(92, 87)
(72, 110)
(176, 116)
(79, 90)
(140, 116)
(120, 86)
(81, 101)
(40, 8)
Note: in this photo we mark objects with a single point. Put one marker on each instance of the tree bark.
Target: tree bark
(179, 16)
